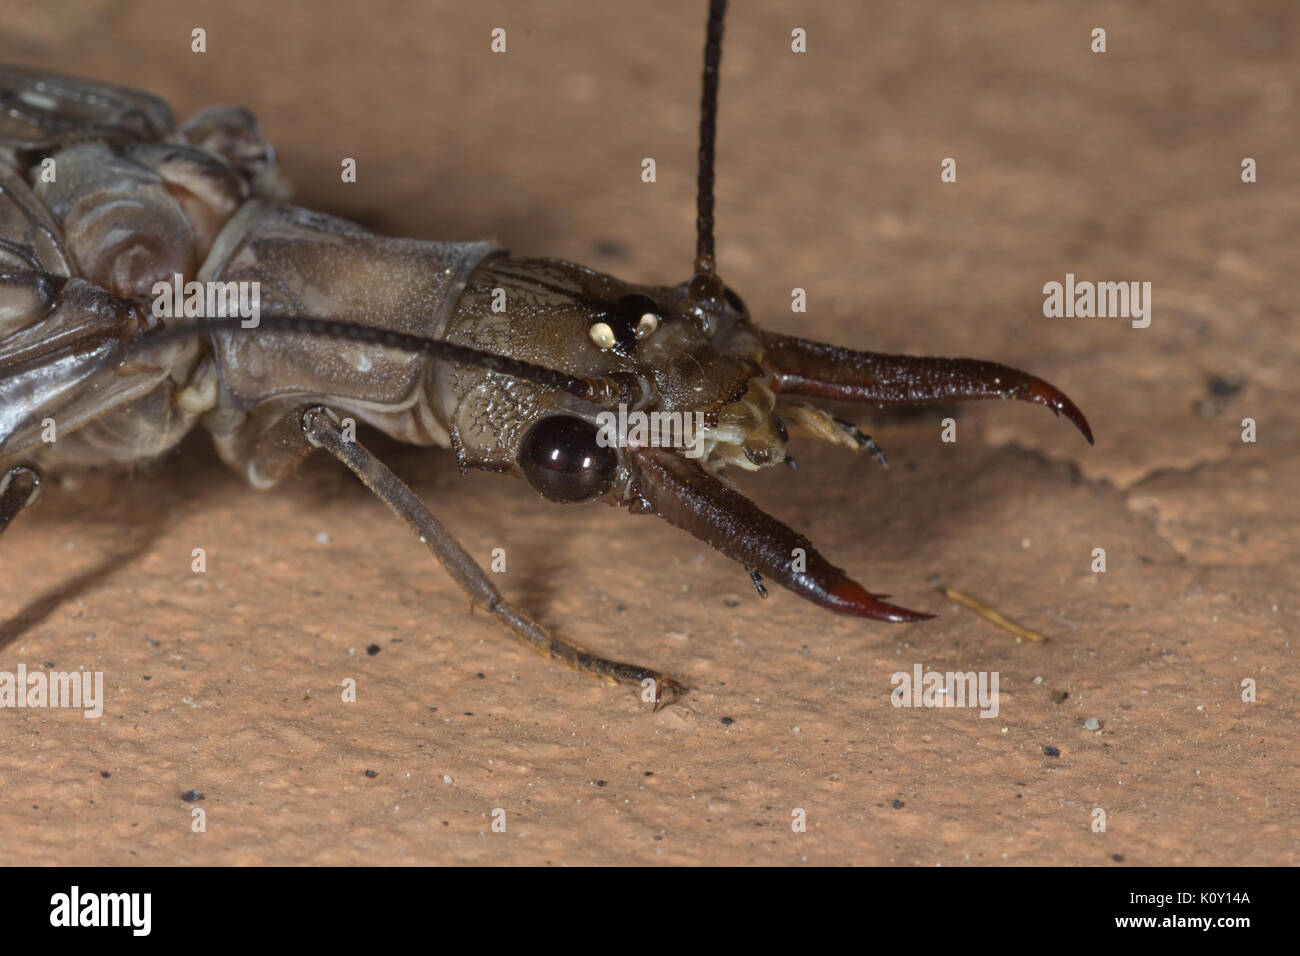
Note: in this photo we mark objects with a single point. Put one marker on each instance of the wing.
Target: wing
(40, 111)
(29, 237)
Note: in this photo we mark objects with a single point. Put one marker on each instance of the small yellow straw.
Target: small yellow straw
(986, 612)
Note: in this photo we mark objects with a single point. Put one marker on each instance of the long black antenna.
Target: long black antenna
(352, 332)
(707, 288)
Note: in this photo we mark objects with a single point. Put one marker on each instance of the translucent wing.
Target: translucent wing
(40, 110)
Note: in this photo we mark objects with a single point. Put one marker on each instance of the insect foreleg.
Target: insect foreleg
(19, 488)
(322, 431)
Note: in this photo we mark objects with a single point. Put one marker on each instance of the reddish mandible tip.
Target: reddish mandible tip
(1046, 394)
(849, 597)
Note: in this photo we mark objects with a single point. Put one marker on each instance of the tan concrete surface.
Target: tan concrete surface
(1115, 166)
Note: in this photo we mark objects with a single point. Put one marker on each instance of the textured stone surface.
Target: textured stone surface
(1123, 166)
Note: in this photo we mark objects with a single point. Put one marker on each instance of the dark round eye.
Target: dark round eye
(563, 461)
(736, 302)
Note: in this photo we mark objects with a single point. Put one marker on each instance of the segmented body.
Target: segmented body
(102, 196)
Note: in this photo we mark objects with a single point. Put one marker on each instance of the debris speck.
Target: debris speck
(1092, 723)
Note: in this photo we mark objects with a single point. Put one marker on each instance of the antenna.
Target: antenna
(706, 287)
(388, 338)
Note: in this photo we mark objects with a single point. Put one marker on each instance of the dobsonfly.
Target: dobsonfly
(407, 336)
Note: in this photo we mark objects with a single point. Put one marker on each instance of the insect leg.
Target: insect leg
(19, 488)
(322, 431)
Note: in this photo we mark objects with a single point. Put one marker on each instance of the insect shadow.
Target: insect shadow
(146, 516)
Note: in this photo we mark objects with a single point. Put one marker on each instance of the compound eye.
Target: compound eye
(736, 302)
(563, 461)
